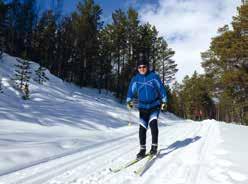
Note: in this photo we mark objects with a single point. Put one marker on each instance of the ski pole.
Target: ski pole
(129, 117)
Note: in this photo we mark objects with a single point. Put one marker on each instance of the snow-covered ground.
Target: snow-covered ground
(68, 135)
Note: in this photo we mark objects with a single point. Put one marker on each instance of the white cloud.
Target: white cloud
(188, 26)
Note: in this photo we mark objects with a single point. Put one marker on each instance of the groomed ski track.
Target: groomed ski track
(186, 150)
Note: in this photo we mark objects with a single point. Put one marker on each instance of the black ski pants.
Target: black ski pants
(145, 115)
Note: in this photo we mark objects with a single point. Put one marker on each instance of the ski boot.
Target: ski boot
(141, 154)
(154, 149)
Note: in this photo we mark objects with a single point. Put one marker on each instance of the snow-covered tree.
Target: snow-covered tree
(22, 73)
(41, 75)
(22, 76)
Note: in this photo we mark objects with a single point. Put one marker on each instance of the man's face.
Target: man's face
(142, 69)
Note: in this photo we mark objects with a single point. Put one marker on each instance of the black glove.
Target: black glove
(163, 106)
(130, 105)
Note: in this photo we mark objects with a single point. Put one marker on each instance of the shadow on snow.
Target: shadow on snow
(175, 146)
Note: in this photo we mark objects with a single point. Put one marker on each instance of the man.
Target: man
(151, 94)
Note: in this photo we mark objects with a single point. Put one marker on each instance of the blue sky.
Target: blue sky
(108, 6)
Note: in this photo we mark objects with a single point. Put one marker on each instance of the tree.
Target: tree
(86, 25)
(104, 60)
(26, 24)
(148, 35)
(44, 41)
(176, 101)
(22, 76)
(166, 66)
(41, 75)
(3, 11)
(120, 49)
(132, 40)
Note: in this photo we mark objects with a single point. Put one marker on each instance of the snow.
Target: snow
(70, 135)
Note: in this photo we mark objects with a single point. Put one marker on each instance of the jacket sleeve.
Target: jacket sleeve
(132, 90)
(161, 89)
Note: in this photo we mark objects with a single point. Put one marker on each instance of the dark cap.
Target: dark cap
(142, 62)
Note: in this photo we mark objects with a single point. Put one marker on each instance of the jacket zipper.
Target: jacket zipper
(145, 87)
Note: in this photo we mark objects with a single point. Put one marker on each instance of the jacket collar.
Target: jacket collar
(147, 73)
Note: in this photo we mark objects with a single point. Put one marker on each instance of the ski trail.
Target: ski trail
(127, 175)
(99, 170)
(168, 159)
(51, 168)
(187, 165)
(209, 138)
(42, 172)
(72, 152)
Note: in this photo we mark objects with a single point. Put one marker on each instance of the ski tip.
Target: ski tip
(114, 170)
(137, 173)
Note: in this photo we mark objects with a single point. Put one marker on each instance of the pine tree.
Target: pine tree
(132, 40)
(104, 65)
(41, 75)
(86, 24)
(176, 100)
(147, 39)
(66, 49)
(120, 49)
(22, 76)
(45, 40)
(166, 66)
(3, 11)
(27, 22)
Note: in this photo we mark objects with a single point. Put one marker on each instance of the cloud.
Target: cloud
(188, 26)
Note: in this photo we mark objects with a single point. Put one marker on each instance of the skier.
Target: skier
(147, 87)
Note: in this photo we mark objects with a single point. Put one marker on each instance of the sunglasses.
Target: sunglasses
(144, 66)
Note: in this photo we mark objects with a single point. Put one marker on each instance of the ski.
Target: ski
(141, 170)
(132, 162)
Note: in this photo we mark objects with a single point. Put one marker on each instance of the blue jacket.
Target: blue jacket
(149, 90)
